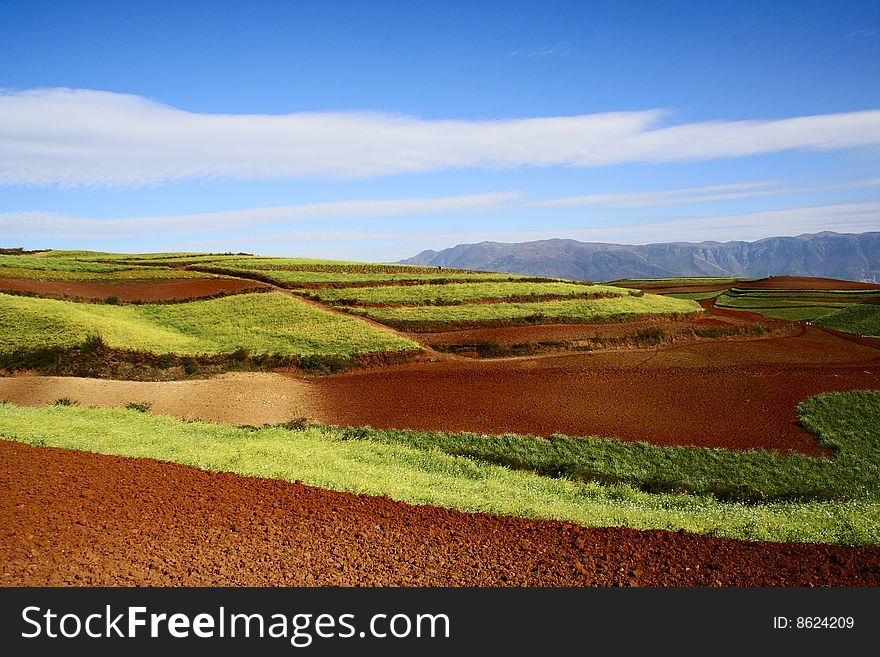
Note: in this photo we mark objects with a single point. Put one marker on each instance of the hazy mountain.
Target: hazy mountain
(854, 257)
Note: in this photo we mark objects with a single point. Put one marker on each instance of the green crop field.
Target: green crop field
(261, 323)
(793, 305)
(678, 282)
(295, 278)
(330, 458)
(579, 310)
(862, 319)
(694, 296)
(748, 302)
(417, 295)
(35, 262)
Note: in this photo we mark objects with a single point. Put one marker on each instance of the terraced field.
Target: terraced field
(239, 326)
(803, 303)
(629, 405)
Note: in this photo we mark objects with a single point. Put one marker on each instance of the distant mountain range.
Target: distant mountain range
(854, 257)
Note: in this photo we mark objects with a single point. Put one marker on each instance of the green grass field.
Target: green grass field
(261, 323)
(793, 305)
(580, 310)
(678, 282)
(293, 278)
(327, 457)
(453, 293)
(862, 319)
(694, 296)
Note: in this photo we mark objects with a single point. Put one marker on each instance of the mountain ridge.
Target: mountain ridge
(848, 256)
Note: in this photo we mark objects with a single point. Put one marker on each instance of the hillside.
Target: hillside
(831, 255)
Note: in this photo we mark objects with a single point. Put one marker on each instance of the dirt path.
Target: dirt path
(72, 518)
(235, 398)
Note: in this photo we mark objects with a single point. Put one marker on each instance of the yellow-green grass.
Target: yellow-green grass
(321, 456)
(694, 296)
(663, 282)
(268, 323)
(862, 319)
(803, 314)
(294, 278)
(456, 292)
(63, 264)
(583, 310)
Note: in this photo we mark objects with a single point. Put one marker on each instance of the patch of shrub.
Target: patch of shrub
(141, 407)
(65, 401)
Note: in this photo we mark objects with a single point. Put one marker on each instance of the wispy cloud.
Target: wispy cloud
(384, 246)
(862, 34)
(65, 137)
(693, 195)
(559, 49)
(45, 224)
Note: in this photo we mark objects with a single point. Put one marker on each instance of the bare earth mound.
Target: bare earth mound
(147, 291)
(233, 398)
(72, 518)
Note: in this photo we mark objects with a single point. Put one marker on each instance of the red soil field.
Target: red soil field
(79, 519)
(737, 394)
(152, 290)
(805, 283)
(573, 333)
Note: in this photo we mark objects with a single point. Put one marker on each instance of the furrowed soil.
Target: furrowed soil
(805, 283)
(129, 291)
(79, 519)
(736, 394)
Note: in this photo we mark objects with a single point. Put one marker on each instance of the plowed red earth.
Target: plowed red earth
(72, 518)
(736, 394)
(805, 283)
(153, 290)
(571, 334)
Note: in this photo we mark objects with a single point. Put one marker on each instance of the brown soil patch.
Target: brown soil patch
(79, 519)
(573, 335)
(234, 398)
(129, 291)
(805, 283)
(737, 394)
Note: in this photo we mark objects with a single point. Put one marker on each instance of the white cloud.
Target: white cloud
(385, 246)
(559, 49)
(691, 195)
(46, 224)
(92, 138)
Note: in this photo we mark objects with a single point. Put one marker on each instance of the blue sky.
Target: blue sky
(373, 130)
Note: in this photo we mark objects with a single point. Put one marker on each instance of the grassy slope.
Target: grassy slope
(261, 323)
(292, 278)
(584, 310)
(863, 319)
(322, 457)
(457, 292)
